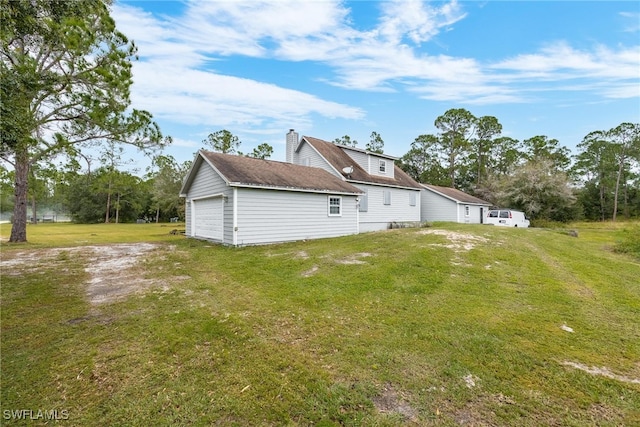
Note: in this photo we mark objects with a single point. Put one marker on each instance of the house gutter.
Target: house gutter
(300, 190)
(353, 181)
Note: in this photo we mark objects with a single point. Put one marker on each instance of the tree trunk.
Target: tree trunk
(158, 214)
(615, 194)
(452, 169)
(118, 208)
(19, 226)
(106, 215)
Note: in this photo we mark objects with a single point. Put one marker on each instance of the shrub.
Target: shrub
(630, 242)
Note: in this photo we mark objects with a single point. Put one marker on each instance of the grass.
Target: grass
(393, 328)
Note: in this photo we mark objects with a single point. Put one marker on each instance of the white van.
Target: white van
(507, 218)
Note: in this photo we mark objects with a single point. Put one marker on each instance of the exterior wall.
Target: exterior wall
(474, 213)
(437, 208)
(307, 156)
(360, 158)
(269, 216)
(379, 215)
(207, 183)
(371, 163)
(374, 167)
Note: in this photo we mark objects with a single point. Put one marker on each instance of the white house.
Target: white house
(390, 195)
(238, 200)
(449, 204)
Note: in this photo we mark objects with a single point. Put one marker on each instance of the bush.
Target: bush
(630, 242)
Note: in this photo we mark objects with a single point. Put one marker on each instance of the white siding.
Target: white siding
(437, 208)
(371, 163)
(268, 216)
(307, 156)
(474, 216)
(374, 166)
(360, 158)
(208, 183)
(379, 215)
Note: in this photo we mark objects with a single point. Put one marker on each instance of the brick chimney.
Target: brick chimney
(292, 144)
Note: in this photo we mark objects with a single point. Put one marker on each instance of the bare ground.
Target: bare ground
(111, 269)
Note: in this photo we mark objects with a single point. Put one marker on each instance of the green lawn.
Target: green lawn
(448, 325)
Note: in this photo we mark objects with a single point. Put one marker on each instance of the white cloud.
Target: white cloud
(201, 97)
(416, 20)
(632, 21)
(607, 71)
(175, 78)
(171, 79)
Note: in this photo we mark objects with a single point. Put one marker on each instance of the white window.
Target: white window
(306, 161)
(383, 166)
(386, 197)
(335, 206)
(412, 199)
(466, 211)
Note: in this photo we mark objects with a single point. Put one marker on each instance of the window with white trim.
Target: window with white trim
(382, 166)
(412, 199)
(335, 206)
(466, 211)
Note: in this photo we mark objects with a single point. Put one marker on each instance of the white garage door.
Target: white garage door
(208, 218)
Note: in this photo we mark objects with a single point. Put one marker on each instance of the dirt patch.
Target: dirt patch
(470, 380)
(111, 269)
(603, 371)
(391, 401)
(310, 272)
(459, 242)
(354, 258)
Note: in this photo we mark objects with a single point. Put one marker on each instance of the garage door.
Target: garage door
(208, 218)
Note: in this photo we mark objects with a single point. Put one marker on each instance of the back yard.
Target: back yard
(447, 325)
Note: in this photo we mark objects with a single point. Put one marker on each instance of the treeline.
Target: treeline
(105, 194)
(537, 175)
(109, 193)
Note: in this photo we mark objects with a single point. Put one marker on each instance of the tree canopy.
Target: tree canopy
(65, 75)
(538, 174)
(223, 141)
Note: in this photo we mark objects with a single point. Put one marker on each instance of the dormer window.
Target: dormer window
(383, 166)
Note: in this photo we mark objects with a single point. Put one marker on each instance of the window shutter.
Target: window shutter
(364, 202)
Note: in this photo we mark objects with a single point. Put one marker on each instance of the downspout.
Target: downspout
(358, 215)
(193, 218)
(235, 216)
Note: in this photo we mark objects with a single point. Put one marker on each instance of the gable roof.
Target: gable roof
(339, 159)
(240, 171)
(456, 195)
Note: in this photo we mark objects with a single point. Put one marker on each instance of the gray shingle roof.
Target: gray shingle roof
(336, 156)
(249, 171)
(458, 195)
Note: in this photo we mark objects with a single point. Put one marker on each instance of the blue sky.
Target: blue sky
(332, 68)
